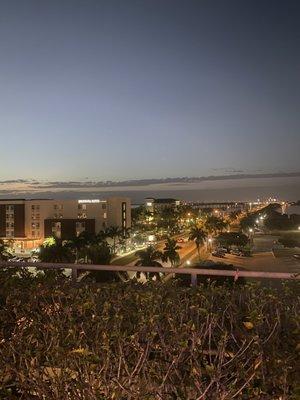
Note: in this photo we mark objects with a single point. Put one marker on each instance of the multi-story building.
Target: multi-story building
(28, 222)
(153, 205)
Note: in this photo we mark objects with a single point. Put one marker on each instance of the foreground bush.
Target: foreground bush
(158, 341)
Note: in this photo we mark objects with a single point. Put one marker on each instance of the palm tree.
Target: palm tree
(114, 232)
(149, 258)
(4, 252)
(99, 253)
(198, 235)
(170, 252)
(167, 218)
(214, 225)
(55, 250)
(77, 244)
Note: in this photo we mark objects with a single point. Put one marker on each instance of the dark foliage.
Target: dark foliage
(157, 341)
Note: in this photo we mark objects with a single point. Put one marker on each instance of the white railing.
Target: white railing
(194, 272)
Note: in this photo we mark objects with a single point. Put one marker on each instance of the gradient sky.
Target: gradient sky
(150, 88)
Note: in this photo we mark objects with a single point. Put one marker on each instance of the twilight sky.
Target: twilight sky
(148, 88)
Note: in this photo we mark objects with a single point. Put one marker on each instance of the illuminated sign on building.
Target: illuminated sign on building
(93, 201)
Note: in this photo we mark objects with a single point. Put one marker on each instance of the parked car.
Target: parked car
(236, 252)
(246, 253)
(297, 256)
(221, 250)
(219, 254)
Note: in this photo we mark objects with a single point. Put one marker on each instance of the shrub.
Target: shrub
(154, 341)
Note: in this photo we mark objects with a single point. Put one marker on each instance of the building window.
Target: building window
(103, 206)
(124, 219)
(105, 215)
(82, 215)
(56, 229)
(81, 206)
(80, 227)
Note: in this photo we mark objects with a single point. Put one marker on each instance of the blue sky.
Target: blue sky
(143, 89)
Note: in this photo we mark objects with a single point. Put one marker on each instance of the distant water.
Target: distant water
(287, 188)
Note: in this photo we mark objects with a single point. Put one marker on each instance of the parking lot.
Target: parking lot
(265, 258)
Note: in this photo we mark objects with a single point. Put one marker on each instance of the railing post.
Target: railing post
(74, 274)
(193, 279)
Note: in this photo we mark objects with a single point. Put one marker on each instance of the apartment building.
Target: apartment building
(28, 222)
(152, 204)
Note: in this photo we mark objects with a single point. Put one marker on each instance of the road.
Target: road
(187, 252)
(263, 259)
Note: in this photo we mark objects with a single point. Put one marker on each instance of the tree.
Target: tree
(277, 221)
(149, 257)
(99, 253)
(234, 214)
(100, 237)
(55, 250)
(213, 224)
(4, 252)
(228, 239)
(248, 221)
(170, 252)
(77, 244)
(198, 235)
(114, 232)
(167, 218)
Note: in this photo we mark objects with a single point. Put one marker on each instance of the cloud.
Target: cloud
(30, 185)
